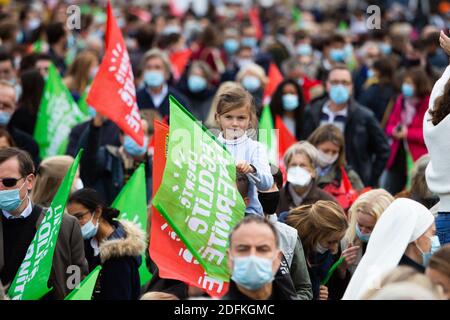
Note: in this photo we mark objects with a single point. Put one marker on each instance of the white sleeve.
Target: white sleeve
(260, 161)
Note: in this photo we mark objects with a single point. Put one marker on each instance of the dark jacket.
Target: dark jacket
(366, 145)
(24, 120)
(144, 100)
(199, 103)
(406, 261)
(25, 142)
(110, 134)
(377, 97)
(103, 168)
(282, 289)
(319, 265)
(315, 194)
(120, 258)
(69, 252)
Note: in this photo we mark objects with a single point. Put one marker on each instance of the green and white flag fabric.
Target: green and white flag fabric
(132, 204)
(198, 195)
(86, 288)
(266, 134)
(30, 282)
(58, 114)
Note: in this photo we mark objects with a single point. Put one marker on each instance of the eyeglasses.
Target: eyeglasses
(10, 182)
(80, 215)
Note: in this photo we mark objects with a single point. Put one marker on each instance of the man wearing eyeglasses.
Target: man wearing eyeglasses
(20, 219)
(366, 145)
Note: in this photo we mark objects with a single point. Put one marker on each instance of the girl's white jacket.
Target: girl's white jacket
(255, 154)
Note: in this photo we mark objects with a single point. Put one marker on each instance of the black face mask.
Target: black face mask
(269, 201)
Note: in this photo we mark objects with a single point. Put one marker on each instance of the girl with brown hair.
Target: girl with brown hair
(321, 227)
(333, 175)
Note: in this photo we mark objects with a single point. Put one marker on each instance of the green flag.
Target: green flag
(135, 210)
(266, 134)
(198, 195)
(57, 114)
(296, 14)
(84, 291)
(30, 282)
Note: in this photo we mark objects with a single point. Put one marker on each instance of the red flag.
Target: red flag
(275, 78)
(255, 21)
(285, 140)
(179, 61)
(112, 92)
(173, 259)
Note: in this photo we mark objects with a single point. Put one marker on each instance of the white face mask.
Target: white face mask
(325, 159)
(78, 184)
(298, 176)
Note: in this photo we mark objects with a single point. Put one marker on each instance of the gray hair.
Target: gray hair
(157, 53)
(302, 147)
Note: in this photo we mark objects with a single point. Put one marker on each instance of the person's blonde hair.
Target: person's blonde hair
(402, 275)
(157, 295)
(329, 133)
(373, 203)
(302, 147)
(255, 70)
(78, 74)
(315, 222)
(50, 174)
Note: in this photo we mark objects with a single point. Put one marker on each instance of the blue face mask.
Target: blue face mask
(290, 102)
(4, 118)
(251, 83)
(363, 237)
(339, 94)
(132, 148)
(337, 55)
(10, 199)
(407, 90)
(252, 272)
(385, 48)
(435, 244)
(89, 230)
(427, 255)
(304, 49)
(231, 46)
(92, 112)
(196, 83)
(249, 42)
(370, 74)
(153, 78)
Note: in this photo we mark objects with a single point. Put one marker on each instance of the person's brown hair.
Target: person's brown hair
(26, 166)
(50, 175)
(422, 82)
(78, 71)
(315, 222)
(441, 106)
(259, 220)
(329, 133)
(234, 98)
(440, 260)
(5, 133)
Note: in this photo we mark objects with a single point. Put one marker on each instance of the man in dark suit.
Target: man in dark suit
(155, 93)
(366, 145)
(20, 219)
